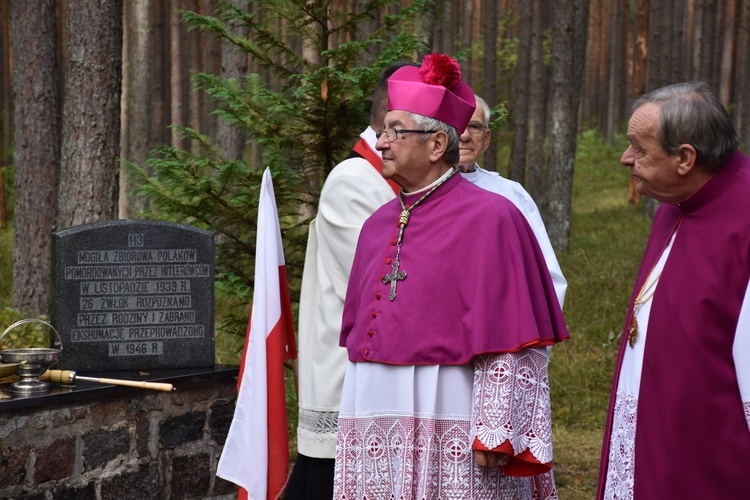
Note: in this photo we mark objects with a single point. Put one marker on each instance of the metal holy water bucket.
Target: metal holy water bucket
(31, 362)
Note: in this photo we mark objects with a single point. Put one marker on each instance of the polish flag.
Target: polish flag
(256, 452)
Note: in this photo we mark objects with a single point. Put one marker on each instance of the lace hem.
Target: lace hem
(511, 402)
(408, 457)
(621, 466)
(318, 422)
(746, 407)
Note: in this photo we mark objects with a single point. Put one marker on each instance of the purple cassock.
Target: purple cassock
(692, 439)
(476, 282)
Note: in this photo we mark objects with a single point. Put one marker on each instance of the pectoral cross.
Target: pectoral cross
(392, 278)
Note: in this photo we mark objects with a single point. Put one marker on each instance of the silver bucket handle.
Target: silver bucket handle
(58, 344)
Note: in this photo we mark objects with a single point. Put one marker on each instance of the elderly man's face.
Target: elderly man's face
(474, 140)
(653, 169)
(406, 160)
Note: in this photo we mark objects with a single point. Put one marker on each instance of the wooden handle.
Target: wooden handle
(59, 376)
(157, 386)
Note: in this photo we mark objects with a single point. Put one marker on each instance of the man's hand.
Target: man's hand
(491, 458)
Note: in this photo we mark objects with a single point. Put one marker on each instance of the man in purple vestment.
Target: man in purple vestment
(447, 316)
(679, 418)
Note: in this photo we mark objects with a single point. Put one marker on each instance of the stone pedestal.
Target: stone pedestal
(111, 442)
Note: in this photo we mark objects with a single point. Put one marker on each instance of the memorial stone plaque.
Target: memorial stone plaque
(133, 295)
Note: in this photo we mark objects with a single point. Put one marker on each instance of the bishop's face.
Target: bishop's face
(406, 158)
(653, 169)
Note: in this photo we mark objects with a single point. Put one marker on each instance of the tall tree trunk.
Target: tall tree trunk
(602, 93)
(730, 27)
(709, 64)
(37, 150)
(743, 73)
(568, 52)
(659, 44)
(233, 65)
(538, 88)
(177, 114)
(136, 138)
(476, 31)
(489, 83)
(521, 95)
(688, 52)
(6, 105)
(679, 70)
(466, 36)
(192, 58)
(91, 113)
(161, 93)
(438, 29)
(593, 71)
(617, 57)
(640, 65)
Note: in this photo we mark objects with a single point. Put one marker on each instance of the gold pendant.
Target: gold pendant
(633, 331)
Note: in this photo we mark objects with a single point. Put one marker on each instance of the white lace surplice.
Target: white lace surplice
(406, 431)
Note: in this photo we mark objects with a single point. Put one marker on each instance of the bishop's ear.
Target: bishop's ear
(687, 157)
(439, 145)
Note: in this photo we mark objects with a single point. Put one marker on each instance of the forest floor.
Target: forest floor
(607, 239)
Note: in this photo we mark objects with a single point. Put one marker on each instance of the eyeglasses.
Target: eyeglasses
(391, 134)
(475, 128)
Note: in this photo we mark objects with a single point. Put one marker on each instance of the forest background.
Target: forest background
(172, 108)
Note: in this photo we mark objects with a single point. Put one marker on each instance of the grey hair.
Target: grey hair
(692, 114)
(481, 103)
(452, 153)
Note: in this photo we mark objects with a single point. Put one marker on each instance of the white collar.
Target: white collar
(369, 136)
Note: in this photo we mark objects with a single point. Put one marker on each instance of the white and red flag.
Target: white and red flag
(256, 452)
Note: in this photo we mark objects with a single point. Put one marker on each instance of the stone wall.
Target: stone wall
(131, 445)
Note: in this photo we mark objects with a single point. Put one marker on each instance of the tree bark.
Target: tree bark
(659, 44)
(569, 43)
(233, 65)
(136, 139)
(191, 61)
(91, 113)
(679, 69)
(727, 69)
(37, 150)
(4, 102)
(521, 95)
(177, 115)
(640, 64)
(161, 93)
(709, 64)
(538, 89)
(489, 83)
(6, 105)
(743, 73)
(476, 32)
(616, 77)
